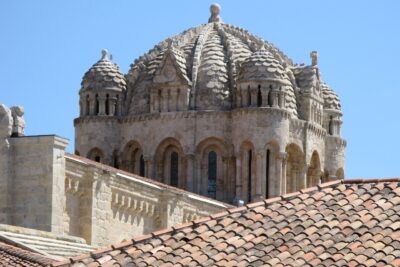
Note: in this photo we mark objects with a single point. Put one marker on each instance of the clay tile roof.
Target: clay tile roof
(362, 231)
(14, 256)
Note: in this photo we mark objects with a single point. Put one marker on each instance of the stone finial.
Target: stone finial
(215, 9)
(169, 43)
(18, 128)
(104, 53)
(314, 58)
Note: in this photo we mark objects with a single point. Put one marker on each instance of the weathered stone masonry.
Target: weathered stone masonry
(217, 111)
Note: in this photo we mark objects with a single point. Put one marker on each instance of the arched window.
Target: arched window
(115, 160)
(174, 170)
(97, 105)
(107, 104)
(330, 126)
(96, 154)
(259, 97)
(141, 167)
(249, 169)
(212, 174)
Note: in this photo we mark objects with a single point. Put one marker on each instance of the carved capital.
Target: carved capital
(282, 155)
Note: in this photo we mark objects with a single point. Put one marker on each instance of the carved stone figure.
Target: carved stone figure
(6, 122)
(19, 121)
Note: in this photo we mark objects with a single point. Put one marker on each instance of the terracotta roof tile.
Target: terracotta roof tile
(14, 257)
(341, 223)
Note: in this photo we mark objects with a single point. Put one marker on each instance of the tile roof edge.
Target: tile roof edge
(25, 254)
(227, 212)
(371, 180)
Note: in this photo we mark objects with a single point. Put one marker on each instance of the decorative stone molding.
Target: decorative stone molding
(74, 186)
(133, 204)
(191, 215)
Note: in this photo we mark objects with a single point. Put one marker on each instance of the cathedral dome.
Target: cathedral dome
(104, 74)
(212, 54)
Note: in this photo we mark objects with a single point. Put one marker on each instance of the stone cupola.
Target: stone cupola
(102, 89)
(263, 82)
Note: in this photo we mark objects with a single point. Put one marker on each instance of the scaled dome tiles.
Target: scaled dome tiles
(103, 75)
(211, 60)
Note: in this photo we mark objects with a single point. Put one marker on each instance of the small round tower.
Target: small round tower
(102, 89)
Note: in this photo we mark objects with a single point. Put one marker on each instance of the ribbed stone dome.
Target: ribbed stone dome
(104, 74)
(212, 54)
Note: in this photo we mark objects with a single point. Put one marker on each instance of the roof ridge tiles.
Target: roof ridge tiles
(372, 180)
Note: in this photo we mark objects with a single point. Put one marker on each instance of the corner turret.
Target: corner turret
(102, 89)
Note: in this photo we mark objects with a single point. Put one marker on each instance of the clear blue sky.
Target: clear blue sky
(46, 47)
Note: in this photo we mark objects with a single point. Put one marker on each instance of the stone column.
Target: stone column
(280, 187)
(164, 99)
(190, 172)
(253, 101)
(284, 175)
(156, 100)
(274, 96)
(264, 94)
(102, 106)
(119, 106)
(239, 186)
(92, 106)
(259, 175)
(149, 171)
(225, 189)
(173, 103)
(303, 177)
(112, 104)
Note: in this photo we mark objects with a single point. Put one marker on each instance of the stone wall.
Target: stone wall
(44, 188)
(37, 187)
(106, 205)
(298, 154)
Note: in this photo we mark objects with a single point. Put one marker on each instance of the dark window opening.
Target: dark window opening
(249, 176)
(259, 97)
(107, 104)
(330, 126)
(270, 96)
(141, 166)
(174, 169)
(212, 174)
(97, 158)
(97, 105)
(115, 161)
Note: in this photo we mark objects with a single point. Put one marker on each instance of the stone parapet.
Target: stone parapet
(107, 205)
